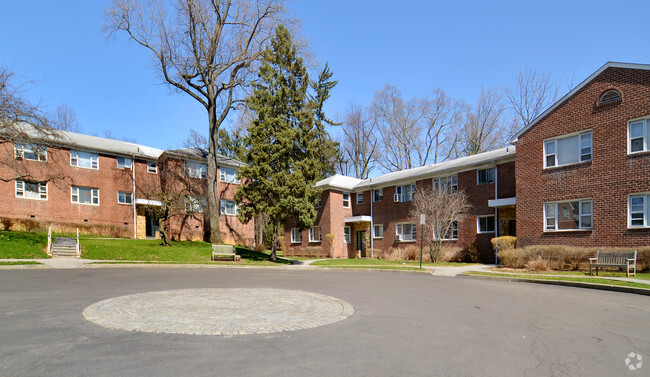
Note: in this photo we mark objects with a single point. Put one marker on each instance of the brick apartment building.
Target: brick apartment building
(97, 181)
(373, 213)
(583, 166)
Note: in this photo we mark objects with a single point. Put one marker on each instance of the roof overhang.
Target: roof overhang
(358, 219)
(505, 202)
(149, 202)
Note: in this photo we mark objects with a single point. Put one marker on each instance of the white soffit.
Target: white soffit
(502, 202)
(358, 219)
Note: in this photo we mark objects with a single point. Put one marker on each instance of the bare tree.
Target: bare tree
(205, 49)
(65, 119)
(483, 126)
(532, 93)
(443, 210)
(110, 134)
(440, 117)
(195, 140)
(359, 144)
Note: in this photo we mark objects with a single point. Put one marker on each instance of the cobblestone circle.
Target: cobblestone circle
(232, 311)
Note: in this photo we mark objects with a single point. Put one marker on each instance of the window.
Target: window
(485, 224)
(196, 170)
(404, 193)
(296, 235)
(405, 232)
(85, 195)
(346, 200)
(30, 152)
(228, 175)
(610, 96)
(314, 234)
(360, 198)
(638, 134)
(229, 207)
(194, 204)
(84, 160)
(447, 185)
(485, 176)
(346, 234)
(124, 163)
(31, 190)
(568, 150)
(152, 167)
(319, 202)
(378, 231)
(639, 210)
(378, 195)
(451, 233)
(569, 215)
(124, 197)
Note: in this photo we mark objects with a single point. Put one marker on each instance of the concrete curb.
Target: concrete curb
(39, 266)
(287, 267)
(576, 284)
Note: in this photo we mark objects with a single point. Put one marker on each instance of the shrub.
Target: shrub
(280, 243)
(513, 258)
(538, 264)
(7, 222)
(30, 225)
(504, 243)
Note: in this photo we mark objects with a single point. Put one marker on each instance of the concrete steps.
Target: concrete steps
(64, 247)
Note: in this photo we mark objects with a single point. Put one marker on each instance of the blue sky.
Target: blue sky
(414, 45)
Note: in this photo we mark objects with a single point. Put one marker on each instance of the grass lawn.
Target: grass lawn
(609, 273)
(379, 262)
(18, 263)
(22, 245)
(564, 278)
(151, 251)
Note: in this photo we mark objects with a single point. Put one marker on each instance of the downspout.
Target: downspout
(135, 216)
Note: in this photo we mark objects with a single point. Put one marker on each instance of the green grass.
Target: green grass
(609, 273)
(563, 278)
(378, 262)
(152, 251)
(22, 245)
(18, 263)
(388, 267)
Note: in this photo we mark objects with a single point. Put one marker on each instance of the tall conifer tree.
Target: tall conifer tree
(288, 148)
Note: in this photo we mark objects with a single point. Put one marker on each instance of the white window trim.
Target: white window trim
(401, 197)
(223, 177)
(126, 192)
(154, 169)
(646, 142)
(579, 229)
(319, 202)
(94, 161)
(19, 151)
(221, 206)
(348, 200)
(478, 224)
(349, 240)
(400, 237)
(382, 195)
(312, 230)
(450, 179)
(117, 159)
(42, 190)
(374, 234)
(196, 204)
(188, 171)
(478, 182)
(360, 195)
(646, 219)
(92, 196)
(555, 139)
(296, 235)
(452, 233)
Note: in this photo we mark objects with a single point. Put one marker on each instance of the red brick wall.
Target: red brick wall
(608, 179)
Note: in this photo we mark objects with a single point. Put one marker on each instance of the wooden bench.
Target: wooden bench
(621, 259)
(224, 252)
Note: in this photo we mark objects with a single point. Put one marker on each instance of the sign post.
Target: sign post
(423, 219)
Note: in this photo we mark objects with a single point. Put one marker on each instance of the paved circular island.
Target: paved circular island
(214, 311)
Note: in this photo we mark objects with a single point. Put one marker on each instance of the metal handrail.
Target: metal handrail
(49, 241)
(78, 248)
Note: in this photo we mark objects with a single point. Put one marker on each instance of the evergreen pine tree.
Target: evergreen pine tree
(288, 148)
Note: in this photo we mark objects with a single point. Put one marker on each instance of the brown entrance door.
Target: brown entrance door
(361, 242)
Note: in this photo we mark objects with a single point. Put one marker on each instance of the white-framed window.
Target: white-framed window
(124, 163)
(319, 202)
(638, 133)
(125, 197)
(84, 195)
(346, 200)
(86, 160)
(346, 234)
(228, 175)
(405, 232)
(31, 152)
(195, 204)
(404, 193)
(228, 207)
(567, 150)
(31, 190)
(152, 167)
(378, 195)
(447, 185)
(485, 176)
(378, 231)
(296, 235)
(360, 198)
(485, 224)
(451, 234)
(196, 169)
(639, 210)
(568, 215)
(314, 234)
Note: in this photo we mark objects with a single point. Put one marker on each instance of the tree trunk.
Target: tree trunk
(164, 237)
(213, 189)
(273, 257)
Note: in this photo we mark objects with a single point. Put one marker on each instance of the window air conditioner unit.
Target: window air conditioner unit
(398, 237)
(396, 197)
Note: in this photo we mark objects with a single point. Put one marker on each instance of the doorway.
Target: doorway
(361, 242)
(151, 222)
